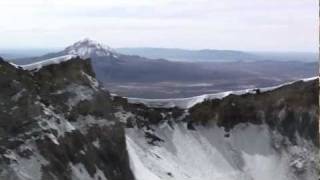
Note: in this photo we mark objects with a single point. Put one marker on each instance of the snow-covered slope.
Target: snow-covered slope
(206, 153)
(234, 136)
(38, 65)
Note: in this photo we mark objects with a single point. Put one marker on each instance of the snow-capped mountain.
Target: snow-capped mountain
(136, 76)
(58, 123)
(87, 48)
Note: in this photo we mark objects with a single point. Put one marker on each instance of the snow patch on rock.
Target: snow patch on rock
(79, 172)
(23, 168)
(84, 123)
(54, 122)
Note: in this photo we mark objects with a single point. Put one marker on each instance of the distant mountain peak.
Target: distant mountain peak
(88, 48)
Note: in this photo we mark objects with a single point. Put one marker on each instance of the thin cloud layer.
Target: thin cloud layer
(262, 25)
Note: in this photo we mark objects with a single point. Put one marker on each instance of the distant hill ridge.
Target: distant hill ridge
(189, 55)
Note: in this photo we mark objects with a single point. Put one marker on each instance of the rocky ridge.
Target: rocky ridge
(58, 123)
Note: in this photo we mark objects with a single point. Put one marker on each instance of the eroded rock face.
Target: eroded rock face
(291, 110)
(262, 135)
(57, 123)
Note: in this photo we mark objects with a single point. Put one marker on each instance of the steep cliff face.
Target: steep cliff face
(252, 135)
(57, 123)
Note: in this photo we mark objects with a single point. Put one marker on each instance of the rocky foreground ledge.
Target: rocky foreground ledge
(56, 122)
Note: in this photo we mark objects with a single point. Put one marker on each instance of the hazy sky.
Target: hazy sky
(259, 25)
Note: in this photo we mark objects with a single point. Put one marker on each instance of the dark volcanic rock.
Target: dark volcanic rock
(58, 123)
(290, 109)
(59, 120)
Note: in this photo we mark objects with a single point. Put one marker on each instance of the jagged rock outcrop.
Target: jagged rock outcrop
(254, 135)
(57, 123)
